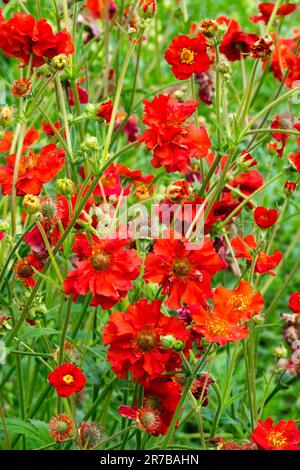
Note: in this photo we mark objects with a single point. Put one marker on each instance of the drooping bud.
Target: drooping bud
(31, 204)
(289, 188)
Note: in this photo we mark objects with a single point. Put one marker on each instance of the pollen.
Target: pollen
(186, 56)
(181, 267)
(146, 340)
(277, 440)
(100, 261)
(68, 379)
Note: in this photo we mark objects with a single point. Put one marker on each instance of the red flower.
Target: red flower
(97, 8)
(264, 263)
(134, 339)
(265, 218)
(283, 436)
(290, 187)
(23, 269)
(184, 273)
(240, 303)
(22, 36)
(173, 143)
(133, 175)
(278, 62)
(105, 110)
(266, 10)
(248, 182)
(235, 41)
(187, 56)
(294, 302)
(67, 379)
(293, 64)
(159, 405)
(106, 269)
(217, 326)
(294, 158)
(35, 170)
(48, 129)
(31, 136)
(82, 94)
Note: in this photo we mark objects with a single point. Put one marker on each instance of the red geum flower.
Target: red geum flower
(294, 302)
(47, 129)
(265, 263)
(130, 175)
(248, 182)
(240, 303)
(282, 121)
(278, 63)
(282, 436)
(134, 339)
(23, 36)
(106, 268)
(266, 10)
(243, 247)
(160, 401)
(264, 217)
(217, 325)
(105, 110)
(67, 379)
(173, 143)
(292, 62)
(235, 41)
(97, 8)
(35, 170)
(182, 269)
(31, 136)
(82, 94)
(187, 56)
(294, 159)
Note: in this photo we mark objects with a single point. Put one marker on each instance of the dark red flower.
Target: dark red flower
(35, 170)
(184, 271)
(47, 129)
(187, 56)
(294, 302)
(265, 218)
(248, 182)
(23, 269)
(235, 41)
(266, 10)
(290, 187)
(106, 269)
(135, 344)
(282, 436)
(105, 110)
(22, 36)
(67, 379)
(82, 94)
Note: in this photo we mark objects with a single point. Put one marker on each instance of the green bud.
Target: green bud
(280, 352)
(90, 143)
(66, 187)
(258, 319)
(4, 225)
(168, 341)
(178, 345)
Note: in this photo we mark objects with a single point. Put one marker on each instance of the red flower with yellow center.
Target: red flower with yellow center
(67, 379)
(184, 273)
(216, 325)
(35, 170)
(187, 56)
(240, 303)
(134, 339)
(283, 436)
(106, 269)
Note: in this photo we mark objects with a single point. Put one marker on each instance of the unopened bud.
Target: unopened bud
(4, 225)
(258, 319)
(90, 143)
(289, 188)
(31, 204)
(6, 115)
(280, 352)
(178, 345)
(66, 187)
(147, 8)
(168, 341)
(59, 62)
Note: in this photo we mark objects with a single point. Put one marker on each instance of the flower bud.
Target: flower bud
(280, 352)
(258, 319)
(147, 8)
(168, 341)
(209, 28)
(178, 345)
(4, 225)
(66, 187)
(59, 62)
(90, 143)
(289, 188)
(31, 204)
(262, 48)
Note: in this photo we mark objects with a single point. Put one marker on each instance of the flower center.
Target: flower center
(277, 440)
(217, 326)
(68, 379)
(181, 267)
(24, 269)
(186, 56)
(239, 302)
(148, 420)
(100, 261)
(146, 340)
